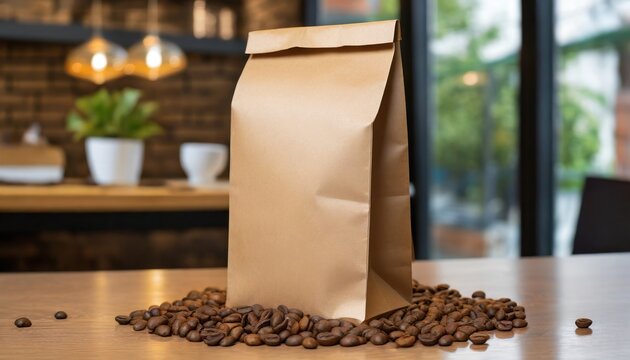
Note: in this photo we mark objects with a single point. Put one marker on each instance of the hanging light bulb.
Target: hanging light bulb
(97, 60)
(153, 57)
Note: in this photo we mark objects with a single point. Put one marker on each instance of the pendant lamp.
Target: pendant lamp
(154, 58)
(97, 60)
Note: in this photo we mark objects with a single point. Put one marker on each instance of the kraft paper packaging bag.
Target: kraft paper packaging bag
(319, 178)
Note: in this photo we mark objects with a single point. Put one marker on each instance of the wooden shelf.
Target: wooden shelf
(75, 34)
(92, 198)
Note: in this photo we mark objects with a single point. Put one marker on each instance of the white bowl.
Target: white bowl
(203, 162)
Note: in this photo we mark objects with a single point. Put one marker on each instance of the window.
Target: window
(473, 204)
(593, 99)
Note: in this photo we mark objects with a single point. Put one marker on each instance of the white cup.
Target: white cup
(203, 162)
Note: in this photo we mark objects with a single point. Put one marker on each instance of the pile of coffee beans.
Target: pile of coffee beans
(437, 316)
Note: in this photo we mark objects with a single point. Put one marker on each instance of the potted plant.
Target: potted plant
(114, 125)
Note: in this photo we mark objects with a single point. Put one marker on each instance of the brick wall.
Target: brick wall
(194, 106)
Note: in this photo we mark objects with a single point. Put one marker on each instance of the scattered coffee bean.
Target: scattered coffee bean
(140, 325)
(460, 336)
(163, 330)
(294, 340)
(350, 340)
(156, 321)
(253, 340)
(479, 294)
(428, 339)
(22, 322)
(309, 343)
(227, 341)
(327, 339)
(193, 336)
(60, 315)
(123, 319)
(504, 325)
(583, 323)
(379, 339)
(479, 339)
(270, 339)
(406, 341)
(519, 323)
(446, 340)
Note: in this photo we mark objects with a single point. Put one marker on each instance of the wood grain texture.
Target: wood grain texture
(79, 198)
(554, 291)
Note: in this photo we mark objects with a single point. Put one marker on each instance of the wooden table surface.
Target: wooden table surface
(555, 291)
(92, 198)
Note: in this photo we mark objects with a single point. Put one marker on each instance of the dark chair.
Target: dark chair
(604, 221)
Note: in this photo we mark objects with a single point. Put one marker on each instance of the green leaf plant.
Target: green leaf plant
(118, 114)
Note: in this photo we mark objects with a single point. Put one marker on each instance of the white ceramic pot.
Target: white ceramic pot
(114, 161)
(203, 162)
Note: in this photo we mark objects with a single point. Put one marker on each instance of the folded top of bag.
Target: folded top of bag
(334, 36)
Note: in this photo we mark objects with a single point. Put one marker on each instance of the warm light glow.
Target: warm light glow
(99, 61)
(471, 78)
(154, 58)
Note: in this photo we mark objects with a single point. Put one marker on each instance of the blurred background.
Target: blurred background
(473, 46)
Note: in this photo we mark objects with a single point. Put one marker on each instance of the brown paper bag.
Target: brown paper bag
(319, 179)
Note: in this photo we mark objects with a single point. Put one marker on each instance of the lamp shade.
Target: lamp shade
(155, 58)
(97, 60)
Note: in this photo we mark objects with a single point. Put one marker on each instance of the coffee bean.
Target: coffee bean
(519, 323)
(467, 329)
(583, 323)
(155, 312)
(446, 340)
(438, 331)
(294, 340)
(428, 339)
(369, 332)
(379, 338)
(253, 340)
(304, 323)
(271, 339)
(156, 321)
(136, 313)
(213, 338)
(22, 322)
(323, 326)
(60, 315)
(193, 336)
(412, 330)
(504, 325)
(406, 341)
(327, 339)
(441, 287)
(227, 341)
(376, 324)
(122, 319)
(309, 343)
(479, 294)
(140, 325)
(479, 339)
(163, 330)
(460, 336)
(349, 341)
